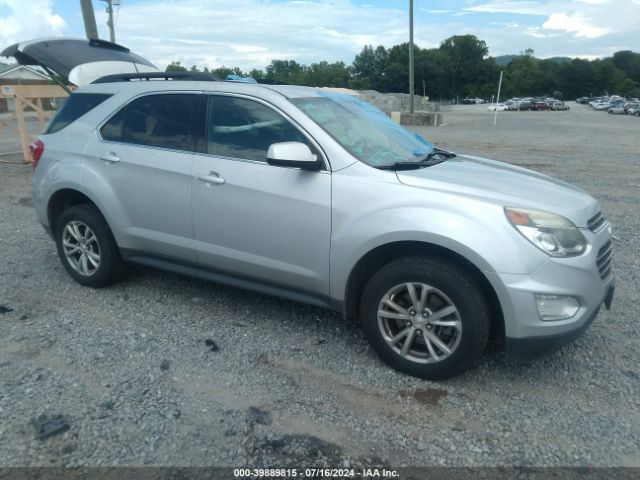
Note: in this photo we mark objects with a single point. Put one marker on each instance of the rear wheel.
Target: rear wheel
(86, 246)
(425, 316)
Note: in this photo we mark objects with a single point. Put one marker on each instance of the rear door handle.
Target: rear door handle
(110, 157)
(212, 178)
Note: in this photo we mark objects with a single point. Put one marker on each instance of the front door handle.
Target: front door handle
(110, 157)
(212, 178)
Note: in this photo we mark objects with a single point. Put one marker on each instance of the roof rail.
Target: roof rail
(127, 77)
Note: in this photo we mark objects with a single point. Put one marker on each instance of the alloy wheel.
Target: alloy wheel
(419, 322)
(81, 248)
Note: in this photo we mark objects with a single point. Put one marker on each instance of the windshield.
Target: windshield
(363, 130)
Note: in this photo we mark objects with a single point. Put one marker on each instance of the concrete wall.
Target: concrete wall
(396, 102)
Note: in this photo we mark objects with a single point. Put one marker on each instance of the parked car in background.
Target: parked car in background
(558, 105)
(473, 101)
(615, 104)
(525, 105)
(540, 105)
(500, 107)
(602, 105)
(512, 105)
(634, 111)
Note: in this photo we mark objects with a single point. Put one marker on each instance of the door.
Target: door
(263, 223)
(141, 161)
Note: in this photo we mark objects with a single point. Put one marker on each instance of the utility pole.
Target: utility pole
(89, 19)
(495, 115)
(112, 31)
(411, 104)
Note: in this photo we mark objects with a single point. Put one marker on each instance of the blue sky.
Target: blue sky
(250, 33)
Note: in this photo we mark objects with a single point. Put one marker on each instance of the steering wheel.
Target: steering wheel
(360, 145)
(385, 152)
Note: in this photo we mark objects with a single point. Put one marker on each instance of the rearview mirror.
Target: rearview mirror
(292, 154)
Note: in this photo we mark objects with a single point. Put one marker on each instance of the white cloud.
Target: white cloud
(312, 30)
(514, 7)
(576, 24)
(585, 28)
(23, 20)
(250, 33)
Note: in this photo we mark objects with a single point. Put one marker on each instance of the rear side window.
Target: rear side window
(73, 108)
(164, 120)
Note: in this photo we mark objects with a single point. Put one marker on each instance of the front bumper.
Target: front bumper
(523, 349)
(527, 335)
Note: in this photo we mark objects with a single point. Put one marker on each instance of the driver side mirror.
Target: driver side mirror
(292, 154)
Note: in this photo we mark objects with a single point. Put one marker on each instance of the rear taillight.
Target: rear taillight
(37, 149)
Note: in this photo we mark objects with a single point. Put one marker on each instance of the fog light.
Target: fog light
(556, 307)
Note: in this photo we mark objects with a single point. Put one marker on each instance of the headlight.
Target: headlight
(553, 234)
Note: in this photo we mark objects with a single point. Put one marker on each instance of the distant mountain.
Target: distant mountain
(504, 60)
(560, 59)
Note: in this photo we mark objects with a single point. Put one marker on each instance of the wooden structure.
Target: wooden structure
(19, 75)
(28, 96)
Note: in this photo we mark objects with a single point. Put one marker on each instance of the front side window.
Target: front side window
(163, 120)
(242, 128)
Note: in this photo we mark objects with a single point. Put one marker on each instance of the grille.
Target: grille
(604, 260)
(595, 222)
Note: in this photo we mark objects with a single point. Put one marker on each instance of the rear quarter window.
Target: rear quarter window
(73, 108)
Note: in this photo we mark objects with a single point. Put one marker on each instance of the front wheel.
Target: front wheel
(425, 316)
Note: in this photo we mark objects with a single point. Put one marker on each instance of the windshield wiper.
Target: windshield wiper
(428, 160)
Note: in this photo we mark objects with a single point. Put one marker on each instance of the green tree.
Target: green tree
(577, 79)
(459, 67)
(257, 73)
(175, 67)
(629, 63)
(285, 71)
(628, 88)
(465, 55)
(222, 72)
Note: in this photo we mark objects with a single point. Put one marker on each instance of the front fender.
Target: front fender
(389, 211)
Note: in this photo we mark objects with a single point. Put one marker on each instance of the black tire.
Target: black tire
(110, 265)
(460, 288)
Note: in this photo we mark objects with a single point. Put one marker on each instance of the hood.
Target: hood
(505, 184)
(80, 61)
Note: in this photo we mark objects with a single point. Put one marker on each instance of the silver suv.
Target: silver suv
(318, 197)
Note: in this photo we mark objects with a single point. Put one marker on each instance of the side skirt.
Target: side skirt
(225, 278)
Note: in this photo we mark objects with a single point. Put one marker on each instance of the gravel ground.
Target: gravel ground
(280, 383)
